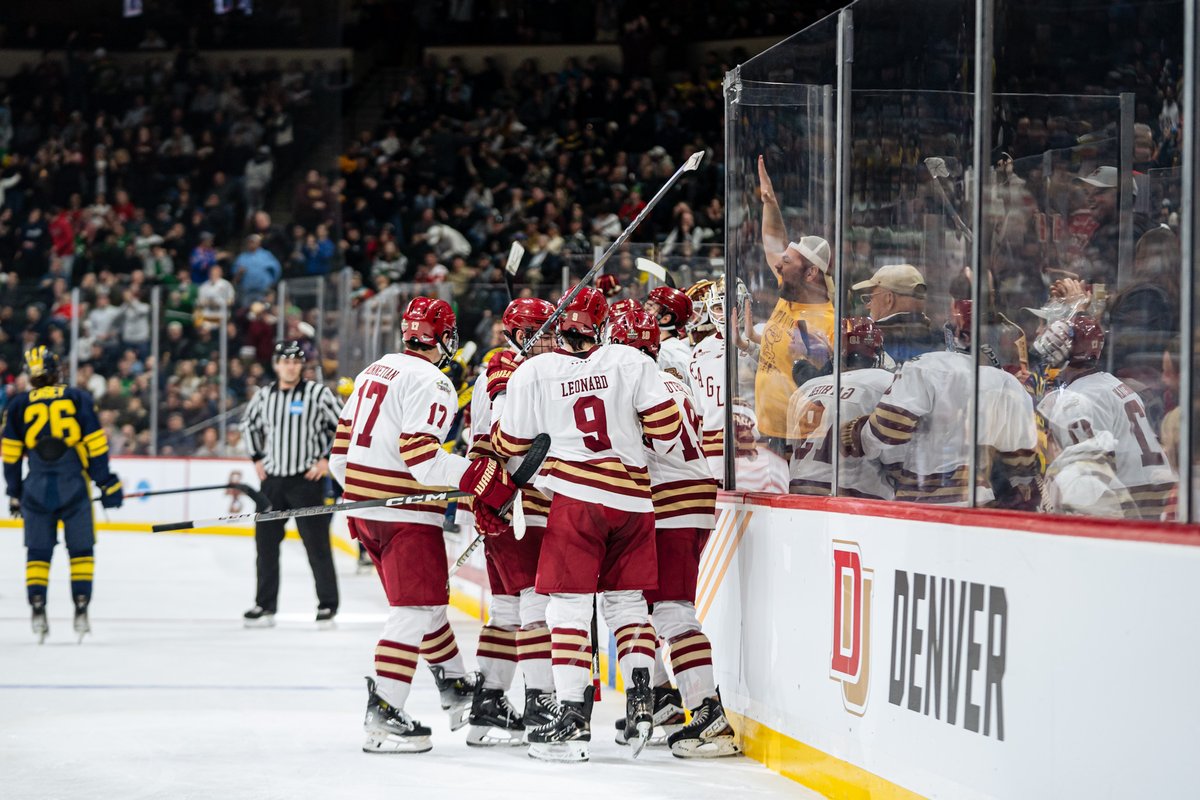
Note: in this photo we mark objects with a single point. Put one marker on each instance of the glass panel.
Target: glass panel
(779, 117)
(1082, 292)
(907, 402)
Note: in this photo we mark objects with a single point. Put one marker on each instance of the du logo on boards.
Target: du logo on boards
(850, 655)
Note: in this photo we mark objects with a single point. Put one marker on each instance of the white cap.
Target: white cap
(815, 249)
(1106, 178)
(899, 278)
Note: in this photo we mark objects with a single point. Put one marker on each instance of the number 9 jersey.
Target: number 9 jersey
(389, 438)
(596, 406)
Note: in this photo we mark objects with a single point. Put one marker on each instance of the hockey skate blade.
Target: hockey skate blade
(327, 625)
(642, 738)
(716, 747)
(261, 622)
(559, 752)
(491, 736)
(658, 737)
(459, 716)
(382, 744)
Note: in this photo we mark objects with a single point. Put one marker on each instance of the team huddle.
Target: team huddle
(621, 507)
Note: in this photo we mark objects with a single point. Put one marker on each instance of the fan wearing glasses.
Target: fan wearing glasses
(895, 299)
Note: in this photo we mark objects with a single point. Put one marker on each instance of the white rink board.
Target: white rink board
(1090, 628)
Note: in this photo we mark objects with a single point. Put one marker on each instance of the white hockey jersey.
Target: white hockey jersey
(596, 406)
(685, 492)
(675, 358)
(920, 429)
(1082, 479)
(484, 414)
(810, 430)
(389, 438)
(707, 370)
(1096, 401)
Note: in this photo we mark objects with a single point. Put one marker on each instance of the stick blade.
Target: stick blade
(651, 268)
(515, 254)
(532, 460)
(693, 161)
(261, 503)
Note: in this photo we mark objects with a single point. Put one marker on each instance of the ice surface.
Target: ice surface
(171, 698)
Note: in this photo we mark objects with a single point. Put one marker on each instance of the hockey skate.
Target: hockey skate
(639, 710)
(390, 729)
(82, 626)
(41, 625)
(668, 717)
(540, 709)
(567, 737)
(457, 695)
(325, 619)
(493, 721)
(259, 617)
(708, 735)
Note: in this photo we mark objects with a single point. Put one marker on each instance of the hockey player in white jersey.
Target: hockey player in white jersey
(516, 629)
(810, 418)
(919, 430)
(389, 443)
(599, 401)
(707, 373)
(672, 309)
(1085, 401)
(685, 497)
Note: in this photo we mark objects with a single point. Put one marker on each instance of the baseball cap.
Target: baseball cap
(899, 278)
(1102, 178)
(815, 249)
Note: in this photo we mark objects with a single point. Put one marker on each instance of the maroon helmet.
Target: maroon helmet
(429, 320)
(608, 285)
(1087, 340)
(673, 302)
(525, 314)
(623, 307)
(637, 329)
(585, 314)
(862, 339)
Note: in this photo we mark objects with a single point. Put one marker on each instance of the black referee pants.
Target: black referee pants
(294, 491)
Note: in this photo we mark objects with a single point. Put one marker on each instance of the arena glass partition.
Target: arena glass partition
(1051, 199)
(780, 188)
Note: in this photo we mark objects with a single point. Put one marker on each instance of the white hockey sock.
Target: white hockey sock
(439, 647)
(569, 617)
(691, 660)
(533, 651)
(497, 655)
(660, 677)
(635, 649)
(395, 664)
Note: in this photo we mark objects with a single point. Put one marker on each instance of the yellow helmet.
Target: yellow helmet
(40, 361)
(345, 387)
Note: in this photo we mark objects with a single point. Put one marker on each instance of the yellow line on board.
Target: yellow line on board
(338, 542)
(811, 767)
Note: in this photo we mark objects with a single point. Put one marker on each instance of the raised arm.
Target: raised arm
(774, 234)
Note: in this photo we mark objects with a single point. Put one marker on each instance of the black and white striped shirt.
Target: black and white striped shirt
(290, 429)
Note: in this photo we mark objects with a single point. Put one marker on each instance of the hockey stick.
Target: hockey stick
(937, 170)
(537, 454)
(595, 651)
(687, 166)
(515, 254)
(261, 503)
(656, 270)
(529, 466)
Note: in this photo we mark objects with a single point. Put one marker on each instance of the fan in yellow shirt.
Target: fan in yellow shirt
(802, 324)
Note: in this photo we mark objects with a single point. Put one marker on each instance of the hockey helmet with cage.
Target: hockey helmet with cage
(673, 302)
(526, 314)
(430, 321)
(637, 329)
(714, 301)
(585, 313)
(958, 327)
(861, 339)
(699, 325)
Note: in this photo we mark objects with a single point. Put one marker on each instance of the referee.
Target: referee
(289, 426)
